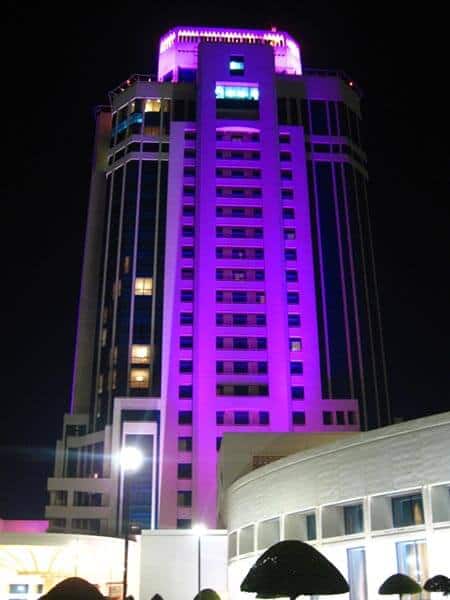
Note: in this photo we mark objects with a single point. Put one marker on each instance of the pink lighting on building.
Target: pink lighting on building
(17, 526)
(179, 48)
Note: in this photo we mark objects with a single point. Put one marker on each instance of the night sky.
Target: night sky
(61, 59)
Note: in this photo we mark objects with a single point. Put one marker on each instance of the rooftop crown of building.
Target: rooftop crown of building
(178, 48)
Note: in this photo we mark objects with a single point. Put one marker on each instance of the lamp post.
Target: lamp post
(131, 460)
(199, 529)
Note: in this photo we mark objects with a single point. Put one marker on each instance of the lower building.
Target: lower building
(374, 503)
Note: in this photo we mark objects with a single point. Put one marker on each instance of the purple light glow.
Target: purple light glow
(179, 47)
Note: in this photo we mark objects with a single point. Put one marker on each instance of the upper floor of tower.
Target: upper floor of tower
(178, 50)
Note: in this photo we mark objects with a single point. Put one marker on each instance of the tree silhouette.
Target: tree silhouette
(399, 584)
(438, 583)
(207, 594)
(73, 588)
(292, 568)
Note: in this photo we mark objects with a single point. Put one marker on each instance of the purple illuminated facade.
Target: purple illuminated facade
(228, 282)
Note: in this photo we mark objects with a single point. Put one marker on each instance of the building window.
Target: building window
(288, 213)
(298, 418)
(185, 341)
(184, 523)
(340, 417)
(351, 416)
(407, 510)
(218, 443)
(293, 298)
(143, 286)
(241, 417)
(290, 254)
(186, 295)
(184, 444)
(412, 560)
(295, 344)
(188, 210)
(264, 417)
(296, 368)
(327, 417)
(353, 519)
(291, 276)
(298, 392)
(139, 378)
(293, 320)
(185, 417)
(220, 417)
(289, 234)
(236, 65)
(184, 471)
(187, 252)
(18, 588)
(140, 354)
(357, 574)
(311, 529)
(185, 391)
(184, 498)
(185, 366)
(186, 318)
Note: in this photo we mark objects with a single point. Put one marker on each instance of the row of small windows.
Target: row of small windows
(241, 343)
(241, 367)
(233, 252)
(241, 319)
(240, 211)
(242, 417)
(233, 136)
(187, 273)
(154, 147)
(250, 297)
(236, 192)
(223, 389)
(339, 418)
(240, 173)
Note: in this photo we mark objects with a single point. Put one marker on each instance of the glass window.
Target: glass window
(187, 295)
(18, 588)
(298, 418)
(407, 510)
(357, 575)
(236, 65)
(298, 392)
(139, 378)
(296, 368)
(185, 341)
(412, 560)
(185, 391)
(295, 344)
(353, 519)
(264, 417)
(140, 354)
(311, 529)
(184, 498)
(184, 471)
(220, 417)
(184, 523)
(241, 417)
(327, 417)
(143, 286)
(184, 444)
(185, 366)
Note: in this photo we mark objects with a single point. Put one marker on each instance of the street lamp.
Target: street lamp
(199, 529)
(131, 460)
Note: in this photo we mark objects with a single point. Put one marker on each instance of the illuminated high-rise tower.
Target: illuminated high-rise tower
(228, 280)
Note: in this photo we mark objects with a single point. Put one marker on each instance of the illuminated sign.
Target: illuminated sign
(237, 92)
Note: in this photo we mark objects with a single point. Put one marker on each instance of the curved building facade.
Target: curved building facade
(375, 504)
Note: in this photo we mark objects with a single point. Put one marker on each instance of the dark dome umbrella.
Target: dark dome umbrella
(438, 583)
(292, 568)
(207, 594)
(399, 584)
(73, 588)
(157, 597)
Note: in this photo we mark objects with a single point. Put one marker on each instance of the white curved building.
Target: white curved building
(375, 504)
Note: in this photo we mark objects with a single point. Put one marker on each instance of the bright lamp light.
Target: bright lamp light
(131, 458)
(199, 528)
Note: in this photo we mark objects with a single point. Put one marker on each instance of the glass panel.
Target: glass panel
(357, 575)
(407, 510)
(412, 560)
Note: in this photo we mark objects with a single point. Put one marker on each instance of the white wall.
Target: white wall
(169, 563)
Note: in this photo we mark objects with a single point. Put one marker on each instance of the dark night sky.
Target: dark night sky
(60, 61)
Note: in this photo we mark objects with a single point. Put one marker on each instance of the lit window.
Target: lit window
(140, 354)
(236, 92)
(153, 105)
(236, 65)
(139, 378)
(143, 286)
(295, 344)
